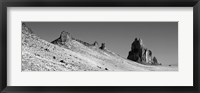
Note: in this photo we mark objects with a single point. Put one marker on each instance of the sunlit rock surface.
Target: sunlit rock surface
(69, 54)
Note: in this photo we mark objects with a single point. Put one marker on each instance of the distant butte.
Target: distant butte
(140, 54)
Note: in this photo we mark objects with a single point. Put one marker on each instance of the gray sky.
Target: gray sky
(160, 37)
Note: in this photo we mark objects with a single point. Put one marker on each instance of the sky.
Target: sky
(159, 37)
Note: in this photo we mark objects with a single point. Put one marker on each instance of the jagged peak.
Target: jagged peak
(96, 44)
(65, 36)
(138, 40)
(141, 54)
(65, 33)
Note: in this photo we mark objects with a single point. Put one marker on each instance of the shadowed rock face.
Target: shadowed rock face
(136, 51)
(102, 46)
(140, 54)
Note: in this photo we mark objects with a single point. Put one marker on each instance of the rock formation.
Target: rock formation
(155, 61)
(64, 38)
(40, 55)
(96, 44)
(102, 46)
(141, 54)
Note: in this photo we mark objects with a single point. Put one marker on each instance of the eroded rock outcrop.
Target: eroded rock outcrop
(64, 38)
(141, 54)
(95, 44)
(40, 55)
(103, 46)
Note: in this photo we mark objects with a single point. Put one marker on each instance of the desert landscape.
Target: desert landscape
(66, 53)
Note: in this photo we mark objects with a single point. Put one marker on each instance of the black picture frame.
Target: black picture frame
(98, 3)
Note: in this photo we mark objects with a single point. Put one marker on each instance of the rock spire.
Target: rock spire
(140, 54)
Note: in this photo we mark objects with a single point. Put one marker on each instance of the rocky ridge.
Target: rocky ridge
(69, 54)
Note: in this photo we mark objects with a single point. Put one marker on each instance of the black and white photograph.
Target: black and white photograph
(59, 46)
(99, 46)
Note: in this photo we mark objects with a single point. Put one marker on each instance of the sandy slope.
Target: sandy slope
(40, 55)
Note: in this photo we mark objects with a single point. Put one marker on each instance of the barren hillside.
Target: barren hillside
(69, 54)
